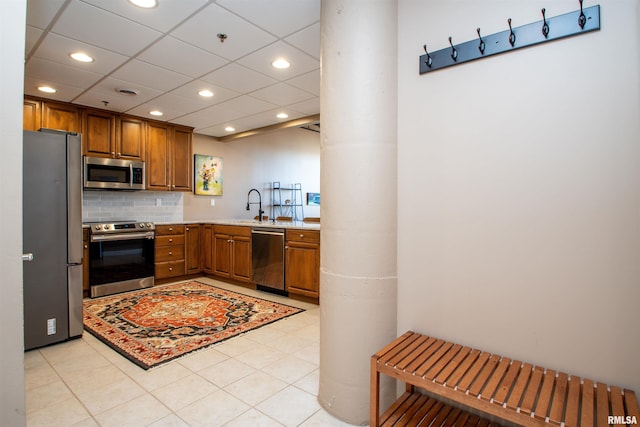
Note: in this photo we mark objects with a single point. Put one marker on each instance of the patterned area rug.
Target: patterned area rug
(155, 325)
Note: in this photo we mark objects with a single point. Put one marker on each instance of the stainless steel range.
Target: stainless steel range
(121, 257)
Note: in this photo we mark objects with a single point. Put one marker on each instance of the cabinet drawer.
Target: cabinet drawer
(163, 230)
(169, 269)
(298, 235)
(171, 240)
(169, 253)
(232, 230)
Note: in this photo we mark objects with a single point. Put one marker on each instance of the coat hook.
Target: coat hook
(454, 52)
(481, 46)
(545, 26)
(512, 35)
(429, 61)
(582, 20)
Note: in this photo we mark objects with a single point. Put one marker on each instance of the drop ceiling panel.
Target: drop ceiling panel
(191, 89)
(170, 105)
(152, 76)
(107, 90)
(307, 40)
(32, 35)
(98, 27)
(41, 12)
(271, 115)
(64, 92)
(57, 48)
(54, 72)
(161, 18)
(176, 55)
(279, 17)
(238, 78)
(247, 105)
(309, 82)
(202, 30)
(308, 107)
(261, 61)
(281, 94)
(207, 117)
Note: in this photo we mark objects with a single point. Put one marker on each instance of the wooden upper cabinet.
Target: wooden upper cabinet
(158, 153)
(31, 115)
(114, 136)
(98, 137)
(130, 137)
(182, 170)
(168, 157)
(60, 116)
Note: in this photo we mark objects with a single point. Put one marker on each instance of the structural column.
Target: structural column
(358, 278)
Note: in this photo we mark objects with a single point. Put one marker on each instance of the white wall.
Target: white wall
(289, 156)
(519, 188)
(12, 398)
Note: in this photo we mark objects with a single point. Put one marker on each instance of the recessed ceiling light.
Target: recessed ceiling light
(281, 64)
(46, 89)
(282, 115)
(230, 129)
(155, 113)
(81, 57)
(205, 93)
(147, 4)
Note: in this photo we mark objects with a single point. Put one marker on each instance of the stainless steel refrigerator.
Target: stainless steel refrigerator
(52, 237)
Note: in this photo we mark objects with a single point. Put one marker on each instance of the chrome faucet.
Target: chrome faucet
(260, 211)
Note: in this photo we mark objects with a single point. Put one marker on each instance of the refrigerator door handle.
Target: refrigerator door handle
(27, 257)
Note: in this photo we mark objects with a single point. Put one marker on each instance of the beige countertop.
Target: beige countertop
(250, 223)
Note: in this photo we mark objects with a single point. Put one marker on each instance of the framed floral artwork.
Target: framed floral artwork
(208, 175)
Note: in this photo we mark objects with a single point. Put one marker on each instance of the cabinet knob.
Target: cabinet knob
(170, 228)
(170, 240)
(113, 153)
(119, 154)
(86, 246)
(187, 228)
(170, 253)
(170, 268)
(302, 235)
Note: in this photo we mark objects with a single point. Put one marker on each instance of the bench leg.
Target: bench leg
(374, 395)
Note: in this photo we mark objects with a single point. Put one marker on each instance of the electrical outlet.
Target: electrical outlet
(158, 202)
(51, 326)
(213, 202)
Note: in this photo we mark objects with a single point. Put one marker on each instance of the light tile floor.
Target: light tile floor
(266, 377)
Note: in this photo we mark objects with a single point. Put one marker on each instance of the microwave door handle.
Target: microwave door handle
(130, 175)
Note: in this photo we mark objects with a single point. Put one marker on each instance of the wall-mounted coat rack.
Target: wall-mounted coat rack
(570, 24)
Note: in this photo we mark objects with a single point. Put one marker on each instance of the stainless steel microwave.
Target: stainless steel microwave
(113, 174)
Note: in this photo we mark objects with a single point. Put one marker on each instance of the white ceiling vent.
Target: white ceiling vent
(128, 92)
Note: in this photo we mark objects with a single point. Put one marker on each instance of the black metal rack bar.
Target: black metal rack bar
(548, 29)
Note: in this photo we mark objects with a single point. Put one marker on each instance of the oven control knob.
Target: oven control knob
(106, 227)
(97, 227)
(148, 225)
(141, 225)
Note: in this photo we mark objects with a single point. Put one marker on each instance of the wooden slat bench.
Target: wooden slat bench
(497, 386)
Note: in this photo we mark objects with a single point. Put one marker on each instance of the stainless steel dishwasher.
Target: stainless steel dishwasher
(267, 259)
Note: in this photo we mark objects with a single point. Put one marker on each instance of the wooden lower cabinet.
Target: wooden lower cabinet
(231, 252)
(207, 248)
(302, 262)
(193, 260)
(170, 251)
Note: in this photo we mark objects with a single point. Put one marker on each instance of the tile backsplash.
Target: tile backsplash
(155, 206)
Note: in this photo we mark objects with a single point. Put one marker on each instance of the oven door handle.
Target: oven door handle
(124, 236)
